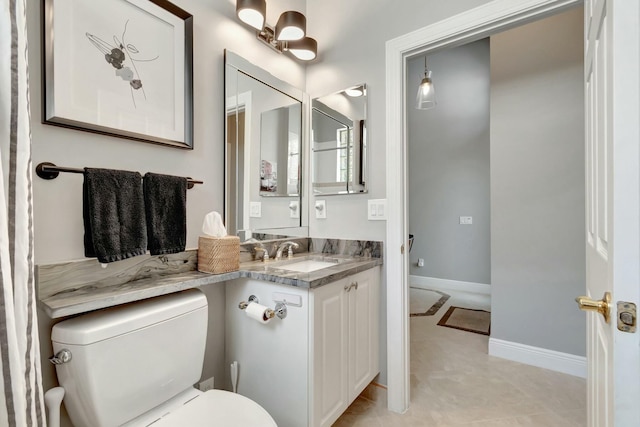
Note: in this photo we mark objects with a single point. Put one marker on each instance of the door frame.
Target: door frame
(474, 24)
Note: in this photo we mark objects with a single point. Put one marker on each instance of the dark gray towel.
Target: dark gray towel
(113, 213)
(165, 198)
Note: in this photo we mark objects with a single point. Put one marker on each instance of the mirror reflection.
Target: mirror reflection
(280, 150)
(339, 139)
(263, 149)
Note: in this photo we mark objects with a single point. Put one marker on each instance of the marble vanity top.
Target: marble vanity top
(275, 271)
(104, 293)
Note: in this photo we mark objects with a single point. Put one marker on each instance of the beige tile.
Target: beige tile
(375, 392)
(537, 420)
(455, 383)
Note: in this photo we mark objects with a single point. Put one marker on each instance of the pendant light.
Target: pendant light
(426, 97)
(252, 12)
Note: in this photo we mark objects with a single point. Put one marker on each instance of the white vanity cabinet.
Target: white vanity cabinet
(307, 368)
(343, 343)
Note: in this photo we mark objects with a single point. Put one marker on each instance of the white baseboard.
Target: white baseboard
(540, 357)
(434, 283)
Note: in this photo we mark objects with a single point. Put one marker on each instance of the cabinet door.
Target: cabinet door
(273, 357)
(363, 330)
(330, 352)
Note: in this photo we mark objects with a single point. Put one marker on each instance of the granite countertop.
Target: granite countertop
(90, 297)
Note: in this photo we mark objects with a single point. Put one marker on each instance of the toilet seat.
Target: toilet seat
(218, 408)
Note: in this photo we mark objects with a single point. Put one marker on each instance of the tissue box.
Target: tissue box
(218, 254)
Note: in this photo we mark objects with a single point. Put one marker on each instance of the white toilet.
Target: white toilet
(135, 365)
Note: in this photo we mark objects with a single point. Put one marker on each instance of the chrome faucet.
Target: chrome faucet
(265, 253)
(290, 246)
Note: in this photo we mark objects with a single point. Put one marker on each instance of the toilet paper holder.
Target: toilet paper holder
(280, 309)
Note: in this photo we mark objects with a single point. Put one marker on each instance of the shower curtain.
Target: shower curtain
(21, 396)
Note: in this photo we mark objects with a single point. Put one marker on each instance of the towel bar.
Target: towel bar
(48, 170)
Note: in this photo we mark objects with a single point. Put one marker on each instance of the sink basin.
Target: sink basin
(307, 266)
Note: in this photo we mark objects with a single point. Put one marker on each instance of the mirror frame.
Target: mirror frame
(244, 66)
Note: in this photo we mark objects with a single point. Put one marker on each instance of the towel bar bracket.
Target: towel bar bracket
(43, 172)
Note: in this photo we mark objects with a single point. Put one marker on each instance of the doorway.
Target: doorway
(463, 28)
(448, 182)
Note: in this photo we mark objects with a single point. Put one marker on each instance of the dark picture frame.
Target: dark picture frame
(121, 68)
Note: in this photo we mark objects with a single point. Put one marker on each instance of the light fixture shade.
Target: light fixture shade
(291, 25)
(252, 12)
(426, 97)
(304, 49)
(355, 91)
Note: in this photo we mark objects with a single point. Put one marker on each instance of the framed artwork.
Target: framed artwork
(119, 67)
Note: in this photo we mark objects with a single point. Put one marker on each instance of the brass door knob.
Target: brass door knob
(602, 306)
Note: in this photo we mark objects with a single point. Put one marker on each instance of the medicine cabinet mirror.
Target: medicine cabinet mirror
(263, 153)
(339, 142)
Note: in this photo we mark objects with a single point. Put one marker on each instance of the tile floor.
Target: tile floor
(455, 383)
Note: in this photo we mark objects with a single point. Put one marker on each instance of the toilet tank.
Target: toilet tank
(129, 359)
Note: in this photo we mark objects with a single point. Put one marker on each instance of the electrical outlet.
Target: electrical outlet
(420, 262)
(294, 209)
(206, 385)
(321, 209)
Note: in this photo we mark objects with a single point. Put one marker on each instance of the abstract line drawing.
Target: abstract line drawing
(123, 57)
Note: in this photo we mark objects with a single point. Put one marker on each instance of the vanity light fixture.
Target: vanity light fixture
(355, 91)
(289, 34)
(252, 12)
(304, 49)
(291, 25)
(426, 97)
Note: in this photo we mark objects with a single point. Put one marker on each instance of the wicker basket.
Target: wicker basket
(218, 254)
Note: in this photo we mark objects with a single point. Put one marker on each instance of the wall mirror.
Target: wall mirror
(263, 153)
(339, 142)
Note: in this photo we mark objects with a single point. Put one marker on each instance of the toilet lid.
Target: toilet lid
(218, 408)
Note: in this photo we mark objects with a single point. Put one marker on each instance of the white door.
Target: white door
(612, 98)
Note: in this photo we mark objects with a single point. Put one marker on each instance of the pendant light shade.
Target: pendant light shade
(291, 25)
(426, 97)
(304, 49)
(252, 12)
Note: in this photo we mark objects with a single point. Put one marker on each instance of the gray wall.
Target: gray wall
(58, 203)
(537, 184)
(449, 165)
(351, 38)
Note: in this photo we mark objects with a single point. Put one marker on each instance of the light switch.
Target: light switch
(377, 209)
(466, 220)
(255, 209)
(373, 210)
(321, 209)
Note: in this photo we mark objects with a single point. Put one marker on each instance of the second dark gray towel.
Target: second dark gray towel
(165, 199)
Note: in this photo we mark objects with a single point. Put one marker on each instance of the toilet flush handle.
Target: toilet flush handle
(63, 356)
